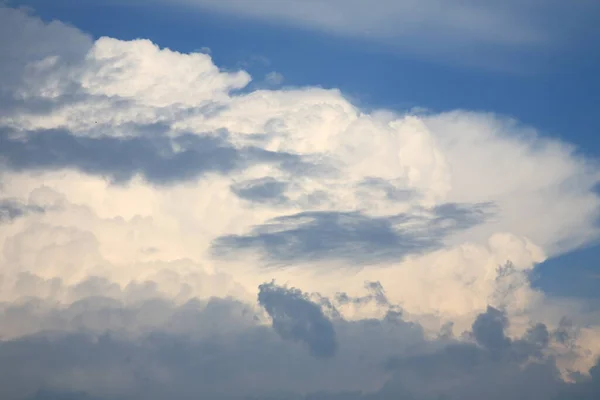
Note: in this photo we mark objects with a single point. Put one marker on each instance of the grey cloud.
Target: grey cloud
(376, 294)
(538, 335)
(352, 236)
(217, 350)
(213, 349)
(566, 332)
(497, 369)
(153, 156)
(11, 209)
(136, 309)
(488, 329)
(585, 389)
(14, 106)
(390, 191)
(264, 190)
(297, 318)
(25, 38)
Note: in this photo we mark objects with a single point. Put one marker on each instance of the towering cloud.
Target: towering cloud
(147, 199)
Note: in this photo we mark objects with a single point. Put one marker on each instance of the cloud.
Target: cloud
(261, 190)
(247, 360)
(431, 28)
(488, 329)
(353, 237)
(158, 159)
(125, 166)
(297, 318)
(11, 209)
(303, 176)
(26, 39)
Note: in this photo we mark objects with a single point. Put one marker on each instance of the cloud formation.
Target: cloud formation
(297, 318)
(146, 202)
(160, 159)
(353, 237)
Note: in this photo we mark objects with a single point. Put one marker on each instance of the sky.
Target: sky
(299, 200)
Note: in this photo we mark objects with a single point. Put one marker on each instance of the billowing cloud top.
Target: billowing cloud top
(166, 234)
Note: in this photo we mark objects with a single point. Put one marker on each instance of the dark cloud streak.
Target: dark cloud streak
(159, 159)
(12, 209)
(353, 237)
(265, 190)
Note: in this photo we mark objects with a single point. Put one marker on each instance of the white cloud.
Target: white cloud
(147, 197)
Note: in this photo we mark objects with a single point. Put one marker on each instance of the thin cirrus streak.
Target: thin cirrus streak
(165, 235)
(492, 35)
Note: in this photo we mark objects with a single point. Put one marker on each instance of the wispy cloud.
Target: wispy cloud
(464, 31)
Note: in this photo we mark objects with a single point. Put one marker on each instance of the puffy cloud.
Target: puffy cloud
(230, 356)
(488, 329)
(145, 200)
(27, 40)
(297, 318)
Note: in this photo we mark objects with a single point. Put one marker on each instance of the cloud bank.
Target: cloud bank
(166, 234)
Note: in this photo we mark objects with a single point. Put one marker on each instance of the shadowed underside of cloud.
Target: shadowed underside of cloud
(482, 370)
(297, 318)
(247, 360)
(354, 237)
(11, 209)
(157, 158)
(263, 190)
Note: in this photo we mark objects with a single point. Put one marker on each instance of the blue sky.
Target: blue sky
(242, 199)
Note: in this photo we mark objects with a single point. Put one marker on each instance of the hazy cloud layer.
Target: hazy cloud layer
(165, 235)
(491, 30)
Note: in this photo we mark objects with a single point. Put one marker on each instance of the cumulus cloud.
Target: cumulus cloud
(488, 329)
(146, 202)
(166, 364)
(297, 318)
